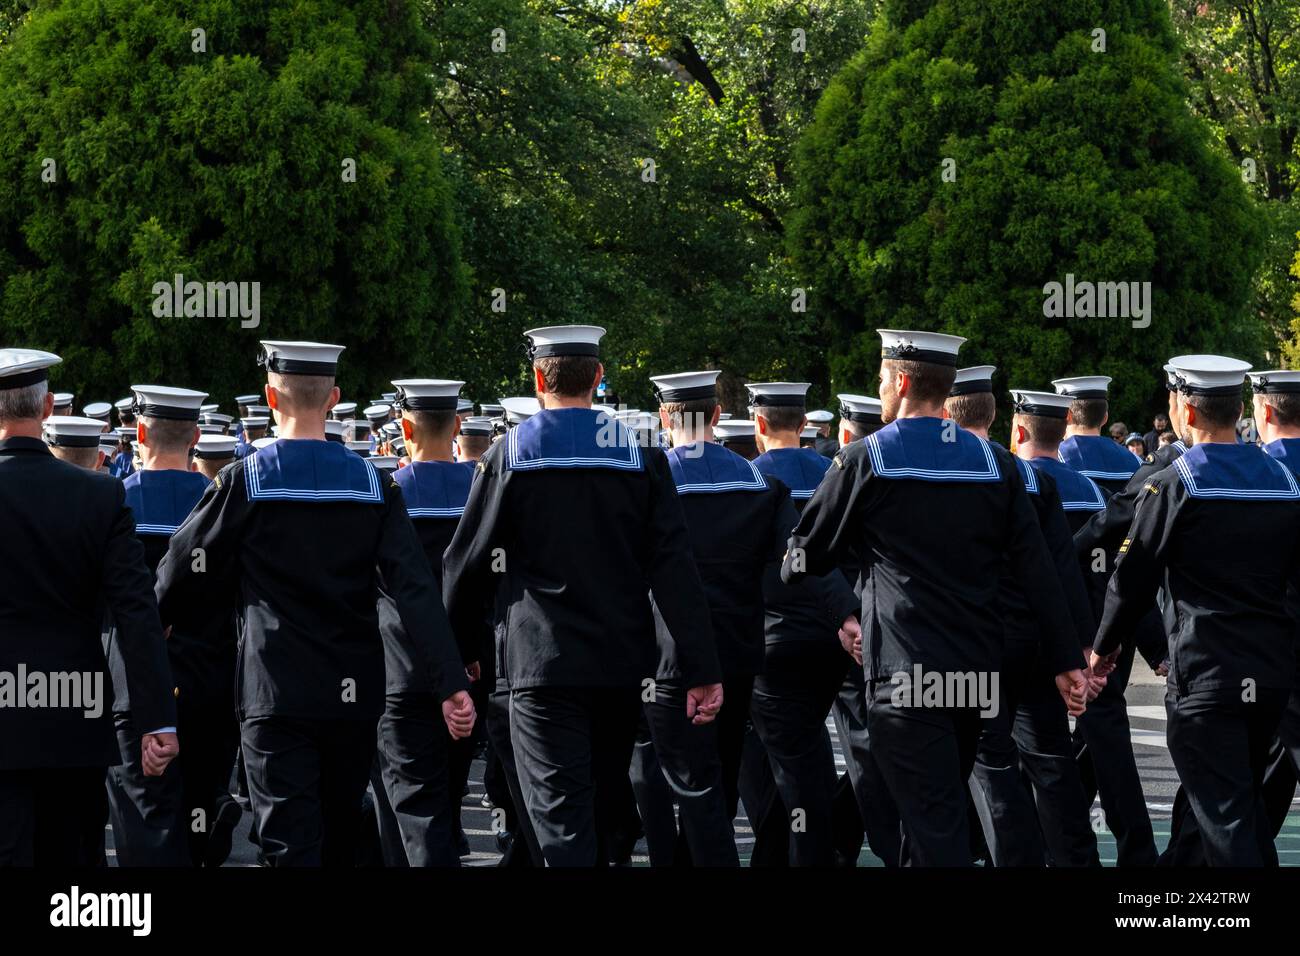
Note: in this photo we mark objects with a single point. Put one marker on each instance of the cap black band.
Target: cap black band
(476, 428)
(23, 379)
(910, 353)
(1022, 407)
(777, 401)
(1088, 393)
(690, 394)
(426, 403)
(561, 348)
(169, 412)
(72, 441)
(287, 366)
(862, 418)
(971, 388)
(1188, 388)
(199, 453)
(1262, 386)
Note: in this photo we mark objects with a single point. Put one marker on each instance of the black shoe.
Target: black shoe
(222, 833)
(504, 841)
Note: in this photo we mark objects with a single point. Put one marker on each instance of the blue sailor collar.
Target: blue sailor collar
(305, 469)
(1077, 491)
(1237, 472)
(1030, 477)
(571, 438)
(930, 449)
(799, 469)
(1287, 451)
(1098, 458)
(160, 501)
(708, 468)
(435, 489)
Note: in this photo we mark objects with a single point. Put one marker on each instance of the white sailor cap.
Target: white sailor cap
(480, 425)
(377, 413)
(334, 430)
(126, 433)
(736, 429)
(344, 410)
(427, 394)
(388, 398)
(108, 444)
(300, 358)
(205, 409)
(163, 401)
(725, 416)
(384, 462)
(1276, 382)
(247, 399)
(362, 448)
(642, 422)
(69, 431)
(1209, 374)
(255, 421)
(784, 394)
(1171, 378)
(261, 443)
(685, 386)
(626, 413)
(63, 400)
(820, 416)
(211, 428)
(124, 404)
(563, 340)
(491, 411)
(464, 405)
(517, 409)
(215, 446)
(216, 418)
(100, 410)
(933, 347)
(862, 409)
(1084, 386)
(1041, 404)
(970, 381)
(262, 410)
(398, 446)
(809, 431)
(392, 429)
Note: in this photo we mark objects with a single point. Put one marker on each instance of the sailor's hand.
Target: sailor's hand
(851, 638)
(458, 712)
(1102, 666)
(1073, 687)
(703, 703)
(157, 751)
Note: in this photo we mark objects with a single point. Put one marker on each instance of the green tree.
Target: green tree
(223, 155)
(1069, 157)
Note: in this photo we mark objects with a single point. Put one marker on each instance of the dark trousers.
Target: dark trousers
(306, 781)
(1283, 765)
(460, 756)
(926, 755)
(876, 816)
(701, 765)
(524, 849)
(52, 817)
(148, 814)
(1220, 748)
(791, 699)
(572, 748)
(654, 799)
(1103, 749)
(415, 817)
(210, 734)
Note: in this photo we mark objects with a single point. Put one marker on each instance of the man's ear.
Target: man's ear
(760, 424)
(1021, 435)
(408, 432)
(945, 415)
(141, 433)
(600, 375)
(665, 421)
(846, 438)
(902, 384)
(717, 416)
(48, 408)
(539, 380)
(1269, 414)
(194, 439)
(335, 395)
(272, 398)
(1189, 414)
